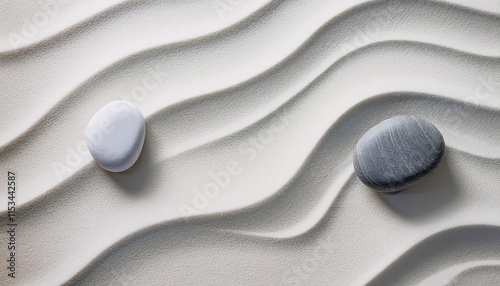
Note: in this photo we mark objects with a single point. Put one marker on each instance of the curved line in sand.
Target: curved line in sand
(163, 48)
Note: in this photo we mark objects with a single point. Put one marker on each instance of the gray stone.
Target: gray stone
(397, 153)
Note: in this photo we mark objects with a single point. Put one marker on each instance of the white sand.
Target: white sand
(259, 107)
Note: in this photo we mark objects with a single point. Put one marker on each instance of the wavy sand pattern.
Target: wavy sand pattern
(284, 89)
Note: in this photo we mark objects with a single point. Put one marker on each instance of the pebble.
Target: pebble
(397, 153)
(115, 135)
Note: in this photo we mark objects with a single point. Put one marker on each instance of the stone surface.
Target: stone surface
(115, 135)
(397, 153)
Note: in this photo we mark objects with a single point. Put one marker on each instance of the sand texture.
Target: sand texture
(252, 114)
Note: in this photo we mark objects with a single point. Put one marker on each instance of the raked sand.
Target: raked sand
(253, 109)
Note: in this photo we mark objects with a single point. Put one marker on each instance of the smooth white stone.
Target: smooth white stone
(115, 135)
